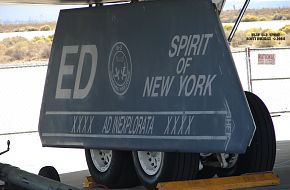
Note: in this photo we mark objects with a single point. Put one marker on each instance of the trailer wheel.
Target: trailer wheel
(260, 155)
(49, 172)
(112, 168)
(154, 167)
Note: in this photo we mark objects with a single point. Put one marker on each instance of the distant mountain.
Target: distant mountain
(256, 4)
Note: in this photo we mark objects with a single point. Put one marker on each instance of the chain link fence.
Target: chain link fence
(266, 72)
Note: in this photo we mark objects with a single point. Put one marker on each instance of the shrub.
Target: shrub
(45, 52)
(250, 18)
(281, 17)
(277, 17)
(285, 29)
(45, 28)
(228, 27)
(12, 41)
(41, 39)
(50, 38)
(31, 28)
(2, 47)
(19, 30)
(251, 31)
(15, 53)
(265, 43)
(239, 39)
(275, 32)
(6, 59)
(17, 49)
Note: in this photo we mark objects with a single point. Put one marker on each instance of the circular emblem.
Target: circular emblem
(120, 68)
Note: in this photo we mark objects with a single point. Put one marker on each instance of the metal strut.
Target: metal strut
(23, 179)
(238, 20)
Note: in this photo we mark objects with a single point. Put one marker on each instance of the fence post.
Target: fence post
(249, 70)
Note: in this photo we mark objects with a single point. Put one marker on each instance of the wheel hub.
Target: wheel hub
(231, 159)
(101, 159)
(150, 161)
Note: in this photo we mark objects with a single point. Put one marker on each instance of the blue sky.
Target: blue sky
(33, 13)
(39, 13)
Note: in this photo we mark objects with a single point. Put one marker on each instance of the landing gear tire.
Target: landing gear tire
(260, 155)
(112, 168)
(154, 167)
(206, 172)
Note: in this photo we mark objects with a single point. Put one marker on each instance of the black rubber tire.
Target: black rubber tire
(206, 172)
(49, 172)
(261, 154)
(120, 174)
(174, 167)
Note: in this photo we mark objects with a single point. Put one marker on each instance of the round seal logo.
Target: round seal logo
(120, 68)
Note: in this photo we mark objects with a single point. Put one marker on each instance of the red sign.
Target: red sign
(266, 59)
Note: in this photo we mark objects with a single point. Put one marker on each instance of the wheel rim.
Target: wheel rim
(101, 159)
(150, 161)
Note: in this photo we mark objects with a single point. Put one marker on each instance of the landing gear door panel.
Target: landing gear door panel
(154, 75)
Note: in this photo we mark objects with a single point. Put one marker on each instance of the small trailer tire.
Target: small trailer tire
(155, 167)
(117, 170)
(260, 155)
(49, 172)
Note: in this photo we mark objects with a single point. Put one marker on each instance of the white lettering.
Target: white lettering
(187, 91)
(83, 124)
(193, 44)
(207, 87)
(68, 69)
(173, 131)
(166, 131)
(182, 44)
(178, 125)
(199, 84)
(148, 86)
(142, 125)
(207, 36)
(166, 85)
(189, 45)
(196, 85)
(158, 86)
(174, 46)
(93, 52)
(182, 83)
(187, 131)
(64, 69)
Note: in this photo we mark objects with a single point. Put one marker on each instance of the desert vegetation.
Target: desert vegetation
(18, 49)
(27, 27)
(251, 15)
(258, 37)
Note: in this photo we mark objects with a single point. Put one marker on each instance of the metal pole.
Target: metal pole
(238, 20)
(249, 69)
(23, 179)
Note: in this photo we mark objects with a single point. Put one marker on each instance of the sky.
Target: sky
(40, 13)
(30, 13)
